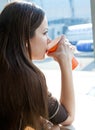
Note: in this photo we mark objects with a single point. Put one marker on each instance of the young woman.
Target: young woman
(24, 97)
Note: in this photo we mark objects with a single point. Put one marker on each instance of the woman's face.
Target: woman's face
(40, 41)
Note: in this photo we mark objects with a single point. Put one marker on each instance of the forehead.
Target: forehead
(43, 26)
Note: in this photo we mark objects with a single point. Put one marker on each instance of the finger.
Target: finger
(72, 48)
(66, 40)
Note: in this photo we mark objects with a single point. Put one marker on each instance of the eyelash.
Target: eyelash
(45, 32)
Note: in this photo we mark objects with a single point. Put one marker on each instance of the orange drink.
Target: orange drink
(53, 46)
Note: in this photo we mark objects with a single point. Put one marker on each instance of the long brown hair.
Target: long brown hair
(23, 90)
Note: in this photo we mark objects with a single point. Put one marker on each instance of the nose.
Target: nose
(49, 40)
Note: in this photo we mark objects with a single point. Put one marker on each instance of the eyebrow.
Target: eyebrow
(46, 29)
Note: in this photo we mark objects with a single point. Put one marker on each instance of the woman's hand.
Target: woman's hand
(64, 51)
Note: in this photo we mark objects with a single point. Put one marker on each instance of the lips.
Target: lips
(52, 46)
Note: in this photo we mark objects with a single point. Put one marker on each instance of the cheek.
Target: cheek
(43, 43)
(42, 48)
(39, 47)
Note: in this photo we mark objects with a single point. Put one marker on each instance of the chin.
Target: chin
(38, 58)
(42, 58)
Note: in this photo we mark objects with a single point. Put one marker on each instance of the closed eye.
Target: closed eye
(45, 33)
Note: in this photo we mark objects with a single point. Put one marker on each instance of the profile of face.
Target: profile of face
(40, 41)
(29, 27)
